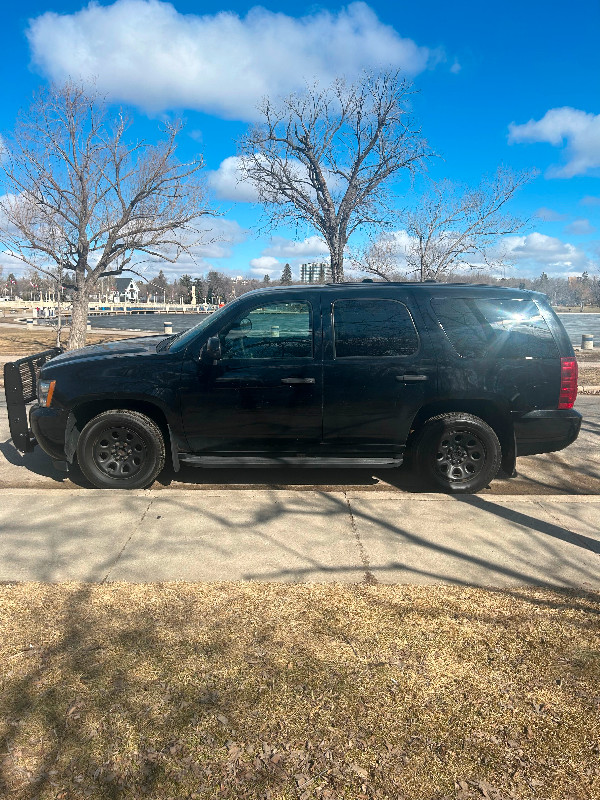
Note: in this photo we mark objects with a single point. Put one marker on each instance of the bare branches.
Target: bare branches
(80, 198)
(326, 155)
(452, 227)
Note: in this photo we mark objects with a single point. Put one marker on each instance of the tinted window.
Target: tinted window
(373, 328)
(479, 327)
(273, 330)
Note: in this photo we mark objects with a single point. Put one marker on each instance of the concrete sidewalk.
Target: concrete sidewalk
(310, 536)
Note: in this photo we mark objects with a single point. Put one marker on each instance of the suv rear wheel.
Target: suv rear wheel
(458, 452)
(121, 449)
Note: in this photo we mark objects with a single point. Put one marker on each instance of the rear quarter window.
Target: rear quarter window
(481, 327)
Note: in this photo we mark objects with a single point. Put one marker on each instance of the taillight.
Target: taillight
(568, 382)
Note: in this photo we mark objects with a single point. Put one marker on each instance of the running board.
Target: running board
(286, 461)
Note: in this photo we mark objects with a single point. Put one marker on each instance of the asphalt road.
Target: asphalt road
(574, 471)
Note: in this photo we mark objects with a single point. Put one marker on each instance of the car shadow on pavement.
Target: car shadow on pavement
(533, 523)
(36, 462)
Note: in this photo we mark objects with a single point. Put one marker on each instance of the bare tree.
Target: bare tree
(80, 199)
(383, 256)
(326, 156)
(453, 226)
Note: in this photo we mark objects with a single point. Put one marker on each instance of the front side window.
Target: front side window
(273, 330)
(482, 327)
(373, 329)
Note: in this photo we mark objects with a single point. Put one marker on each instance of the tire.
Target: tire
(121, 450)
(457, 452)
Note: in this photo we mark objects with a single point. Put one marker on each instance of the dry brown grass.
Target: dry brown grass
(589, 376)
(272, 691)
(588, 355)
(25, 342)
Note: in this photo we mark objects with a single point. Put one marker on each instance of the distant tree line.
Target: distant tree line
(583, 290)
(216, 287)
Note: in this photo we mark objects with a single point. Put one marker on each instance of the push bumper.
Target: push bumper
(20, 388)
(546, 430)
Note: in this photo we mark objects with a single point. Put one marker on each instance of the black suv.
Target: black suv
(460, 378)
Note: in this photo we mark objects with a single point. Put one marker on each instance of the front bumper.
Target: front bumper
(48, 425)
(546, 430)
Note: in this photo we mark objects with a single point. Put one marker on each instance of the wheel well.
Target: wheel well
(496, 417)
(87, 411)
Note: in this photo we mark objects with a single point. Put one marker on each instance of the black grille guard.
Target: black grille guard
(20, 388)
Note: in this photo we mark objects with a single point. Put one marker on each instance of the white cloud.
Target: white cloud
(227, 183)
(590, 200)
(264, 264)
(146, 53)
(580, 227)
(536, 252)
(311, 247)
(580, 130)
(217, 237)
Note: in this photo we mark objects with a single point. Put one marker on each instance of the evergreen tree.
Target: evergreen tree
(267, 279)
(286, 275)
(185, 283)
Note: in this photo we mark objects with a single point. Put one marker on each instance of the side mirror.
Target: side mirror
(212, 349)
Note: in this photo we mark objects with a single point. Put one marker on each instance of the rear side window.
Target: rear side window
(486, 327)
(373, 329)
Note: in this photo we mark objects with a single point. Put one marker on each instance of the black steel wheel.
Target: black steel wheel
(458, 452)
(121, 449)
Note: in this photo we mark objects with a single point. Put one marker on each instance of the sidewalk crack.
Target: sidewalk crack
(369, 577)
(131, 535)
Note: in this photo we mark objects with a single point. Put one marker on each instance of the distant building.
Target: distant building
(126, 291)
(314, 272)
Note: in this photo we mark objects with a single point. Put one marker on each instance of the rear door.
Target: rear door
(378, 369)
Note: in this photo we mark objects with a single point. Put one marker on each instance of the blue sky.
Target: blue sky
(508, 83)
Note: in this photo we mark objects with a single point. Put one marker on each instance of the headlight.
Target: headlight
(45, 390)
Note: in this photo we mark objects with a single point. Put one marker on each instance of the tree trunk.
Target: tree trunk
(79, 319)
(336, 253)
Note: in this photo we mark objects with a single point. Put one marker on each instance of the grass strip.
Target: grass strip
(26, 342)
(229, 690)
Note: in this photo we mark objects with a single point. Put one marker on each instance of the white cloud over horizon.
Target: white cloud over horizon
(529, 255)
(309, 248)
(264, 264)
(580, 130)
(536, 252)
(146, 53)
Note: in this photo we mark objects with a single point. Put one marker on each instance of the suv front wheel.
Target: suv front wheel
(121, 449)
(458, 452)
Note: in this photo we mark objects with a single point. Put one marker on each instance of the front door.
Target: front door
(264, 395)
(377, 372)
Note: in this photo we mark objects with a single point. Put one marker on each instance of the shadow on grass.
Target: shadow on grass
(176, 690)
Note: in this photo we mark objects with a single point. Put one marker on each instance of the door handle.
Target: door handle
(292, 381)
(411, 377)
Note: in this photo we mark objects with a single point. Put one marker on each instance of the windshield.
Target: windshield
(181, 340)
